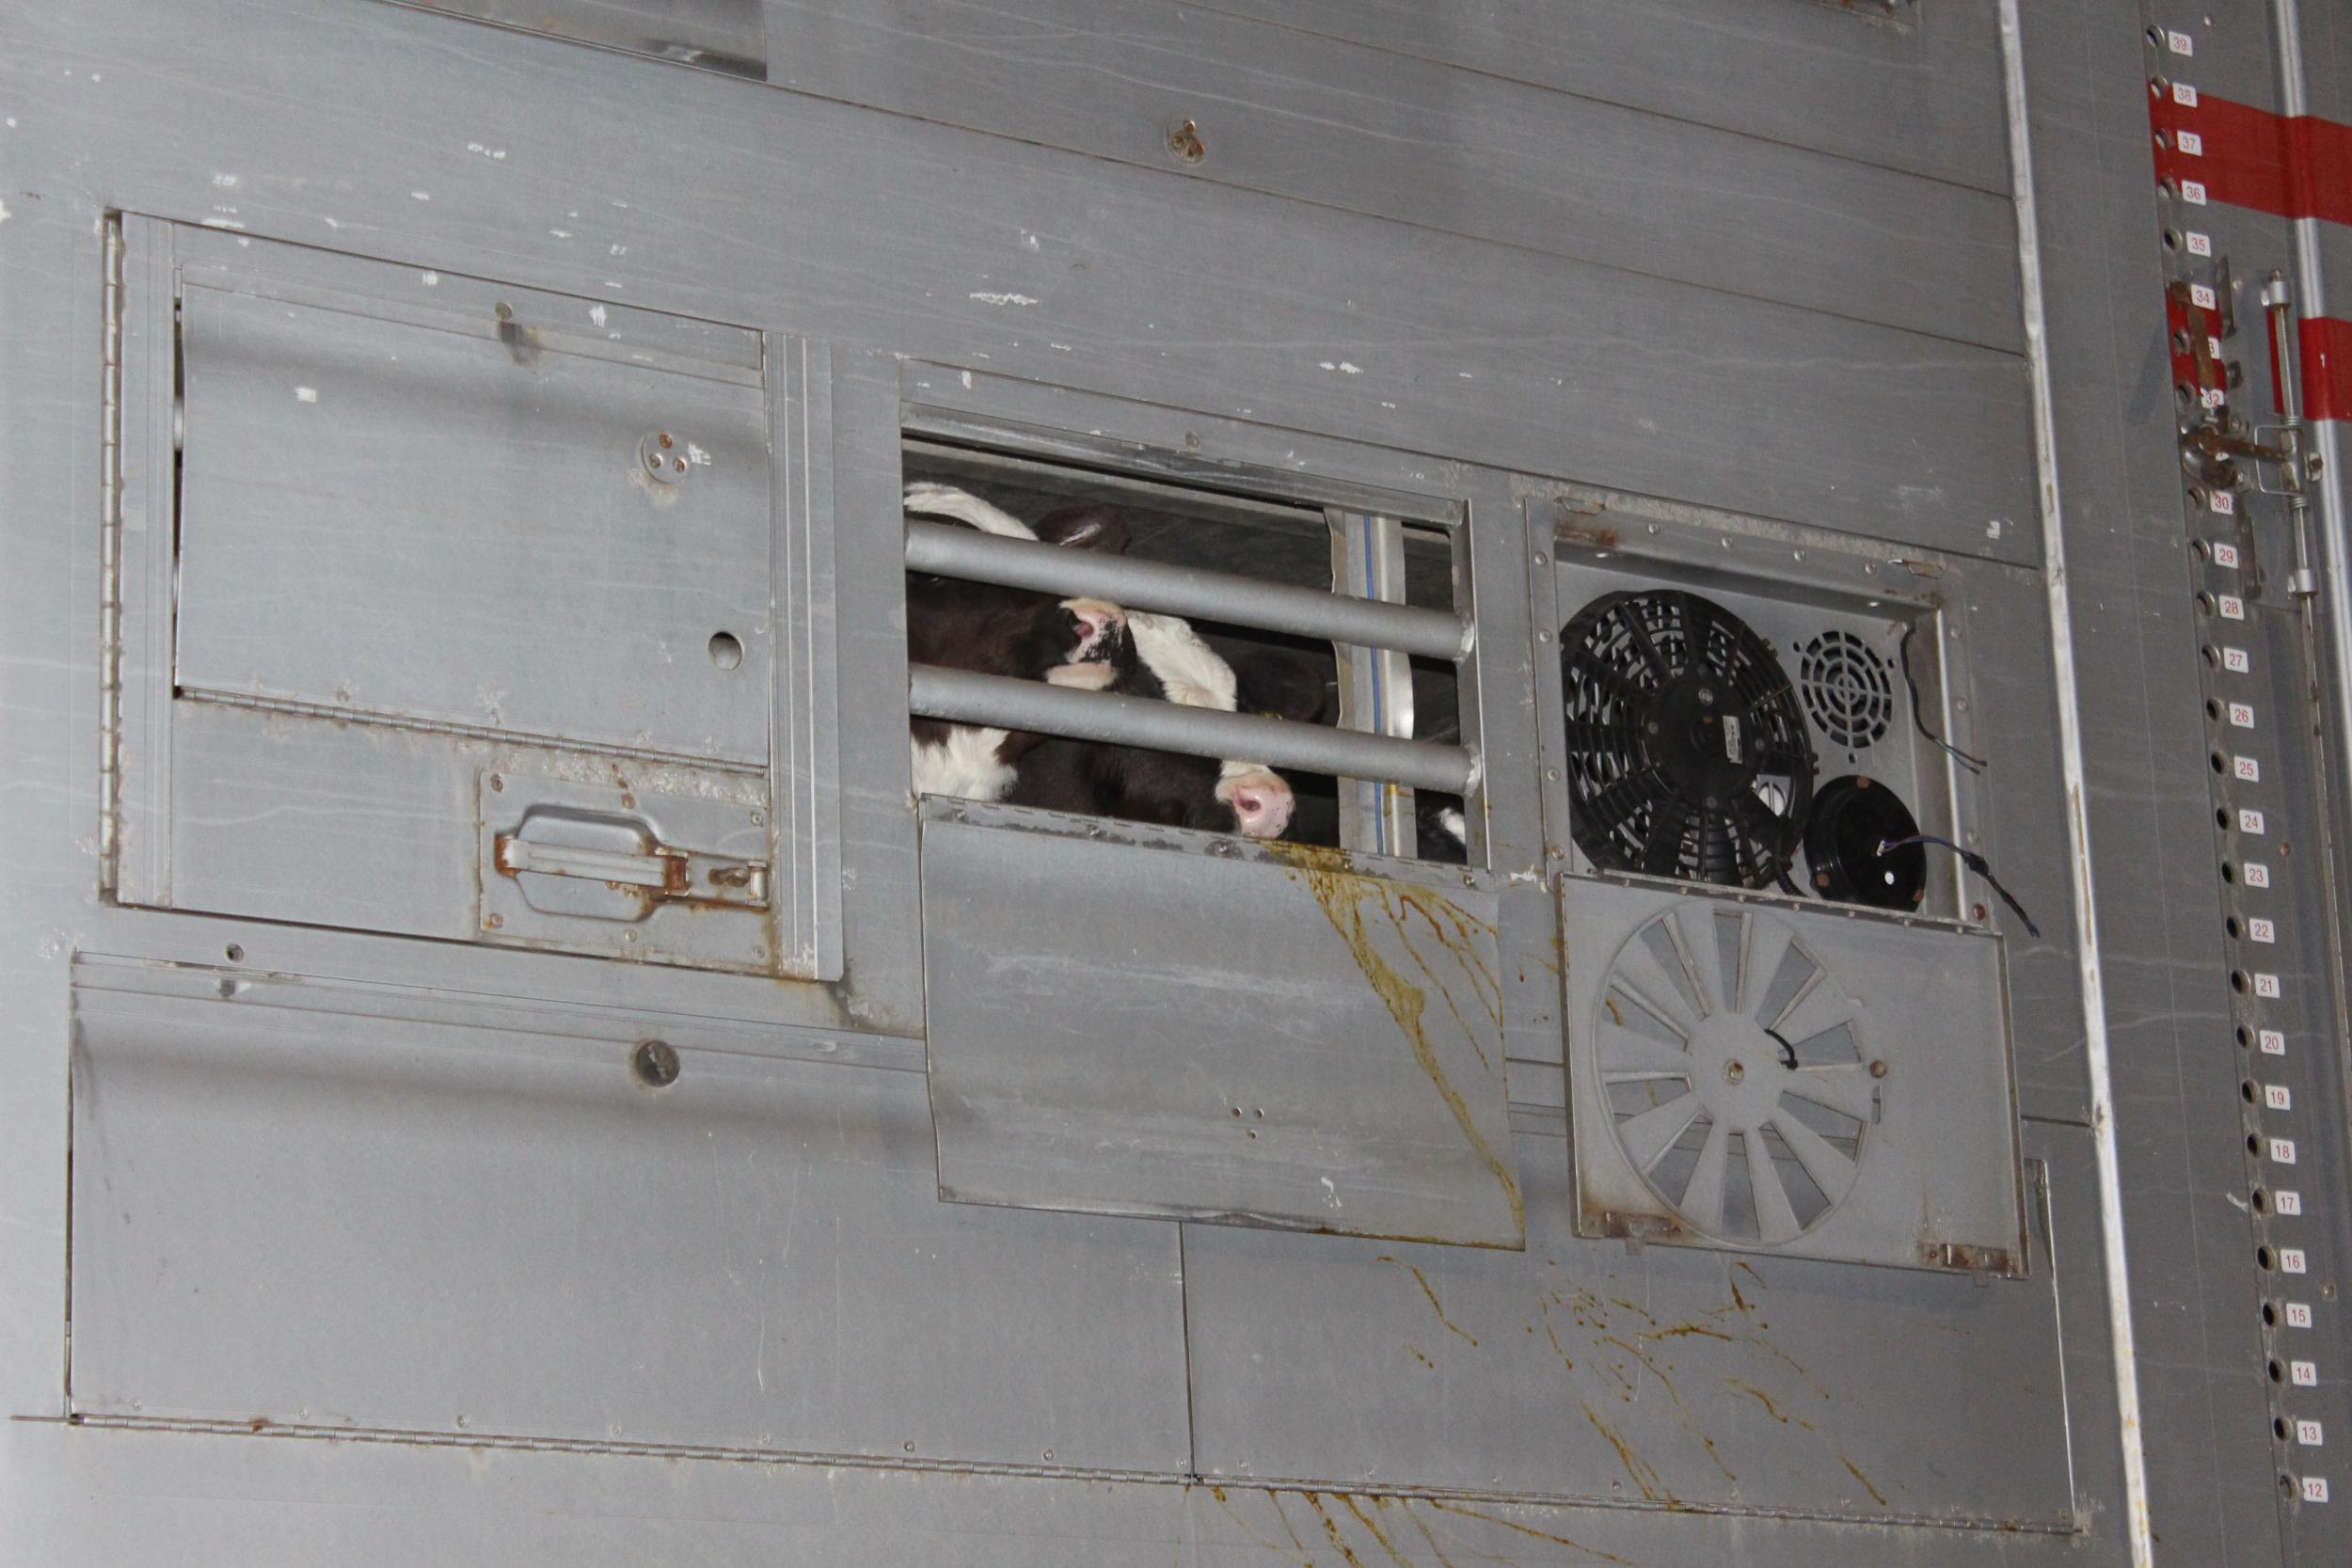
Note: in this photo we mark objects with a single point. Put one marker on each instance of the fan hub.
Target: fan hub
(1699, 736)
(1737, 1070)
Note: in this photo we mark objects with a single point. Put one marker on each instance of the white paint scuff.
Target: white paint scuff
(1002, 299)
(596, 314)
(306, 394)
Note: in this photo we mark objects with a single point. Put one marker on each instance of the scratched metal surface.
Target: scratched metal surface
(1263, 321)
(486, 1227)
(1088, 1056)
(1658, 1379)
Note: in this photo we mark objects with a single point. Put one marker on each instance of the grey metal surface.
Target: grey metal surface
(729, 36)
(963, 552)
(1860, 1065)
(2213, 1491)
(495, 1228)
(1660, 1379)
(1565, 363)
(936, 693)
(1415, 132)
(527, 579)
(1271, 307)
(1094, 1052)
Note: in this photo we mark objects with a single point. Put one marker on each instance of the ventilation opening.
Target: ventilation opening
(1848, 690)
(1139, 551)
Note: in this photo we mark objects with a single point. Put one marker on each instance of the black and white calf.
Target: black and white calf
(1161, 655)
(1081, 643)
(1001, 631)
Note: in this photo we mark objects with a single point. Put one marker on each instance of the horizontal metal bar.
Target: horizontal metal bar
(967, 553)
(965, 698)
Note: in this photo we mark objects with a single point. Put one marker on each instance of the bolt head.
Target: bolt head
(1878, 1068)
(656, 1064)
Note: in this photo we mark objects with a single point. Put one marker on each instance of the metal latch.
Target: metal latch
(666, 873)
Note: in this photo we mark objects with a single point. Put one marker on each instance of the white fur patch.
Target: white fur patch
(946, 501)
(965, 766)
(1193, 673)
(1456, 824)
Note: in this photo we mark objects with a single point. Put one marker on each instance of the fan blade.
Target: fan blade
(1641, 978)
(1776, 1221)
(1637, 632)
(1661, 849)
(1849, 1090)
(1692, 932)
(1699, 630)
(1831, 1169)
(1820, 1010)
(1702, 1202)
(1647, 1136)
(1628, 1056)
(1613, 807)
(1763, 947)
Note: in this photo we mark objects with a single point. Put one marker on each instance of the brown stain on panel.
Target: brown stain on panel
(1298, 1558)
(1372, 1526)
(1688, 1416)
(1644, 1474)
(1427, 1534)
(1874, 1492)
(1594, 1553)
(1343, 894)
(1435, 1305)
(1331, 1528)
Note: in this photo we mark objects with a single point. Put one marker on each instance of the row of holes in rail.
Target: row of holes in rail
(2249, 888)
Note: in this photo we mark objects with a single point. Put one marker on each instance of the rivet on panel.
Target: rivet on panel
(656, 1064)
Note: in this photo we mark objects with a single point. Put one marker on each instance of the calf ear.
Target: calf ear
(1285, 685)
(1084, 528)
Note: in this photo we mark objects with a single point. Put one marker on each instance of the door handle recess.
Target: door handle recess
(663, 872)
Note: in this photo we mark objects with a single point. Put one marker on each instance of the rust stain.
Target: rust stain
(1595, 1553)
(1684, 1330)
(1299, 1557)
(1542, 1304)
(1331, 1528)
(1644, 1474)
(1417, 1356)
(1343, 895)
(1760, 1397)
(1595, 536)
(1435, 1305)
(1373, 1526)
(1426, 1534)
(1609, 1001)
(1684, 1414)
(1874, 1492)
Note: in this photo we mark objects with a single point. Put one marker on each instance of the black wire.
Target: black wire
(1973, 764)
(1788, 1052)
(1975, 863)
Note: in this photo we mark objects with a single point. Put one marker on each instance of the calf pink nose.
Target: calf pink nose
(1262, 805)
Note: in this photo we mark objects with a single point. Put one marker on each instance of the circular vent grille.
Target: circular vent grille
(1736, 1073)
(1688, 754)
(1849, 691)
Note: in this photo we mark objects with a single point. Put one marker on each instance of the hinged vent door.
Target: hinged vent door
(1148, 1022)
(1772, 1079)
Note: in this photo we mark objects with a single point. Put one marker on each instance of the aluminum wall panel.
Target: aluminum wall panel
(1102, 1047)
(1657, 1378)
(521, 573)
(1375, 130)
(450, 1229)
(1925, 97)
(1489, 353)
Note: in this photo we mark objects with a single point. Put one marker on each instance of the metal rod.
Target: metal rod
(965, 698)
(977, 556)
(2279, 305)
(2090, 973)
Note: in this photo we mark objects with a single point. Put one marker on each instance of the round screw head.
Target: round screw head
(1878, 1067)
(1735, 1072)
(654, 1063)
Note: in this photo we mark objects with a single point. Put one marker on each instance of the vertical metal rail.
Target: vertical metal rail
(1376, 684)
(2092, 978)
(110, 562)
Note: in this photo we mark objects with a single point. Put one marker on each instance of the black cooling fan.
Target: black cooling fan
(1687, 750)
